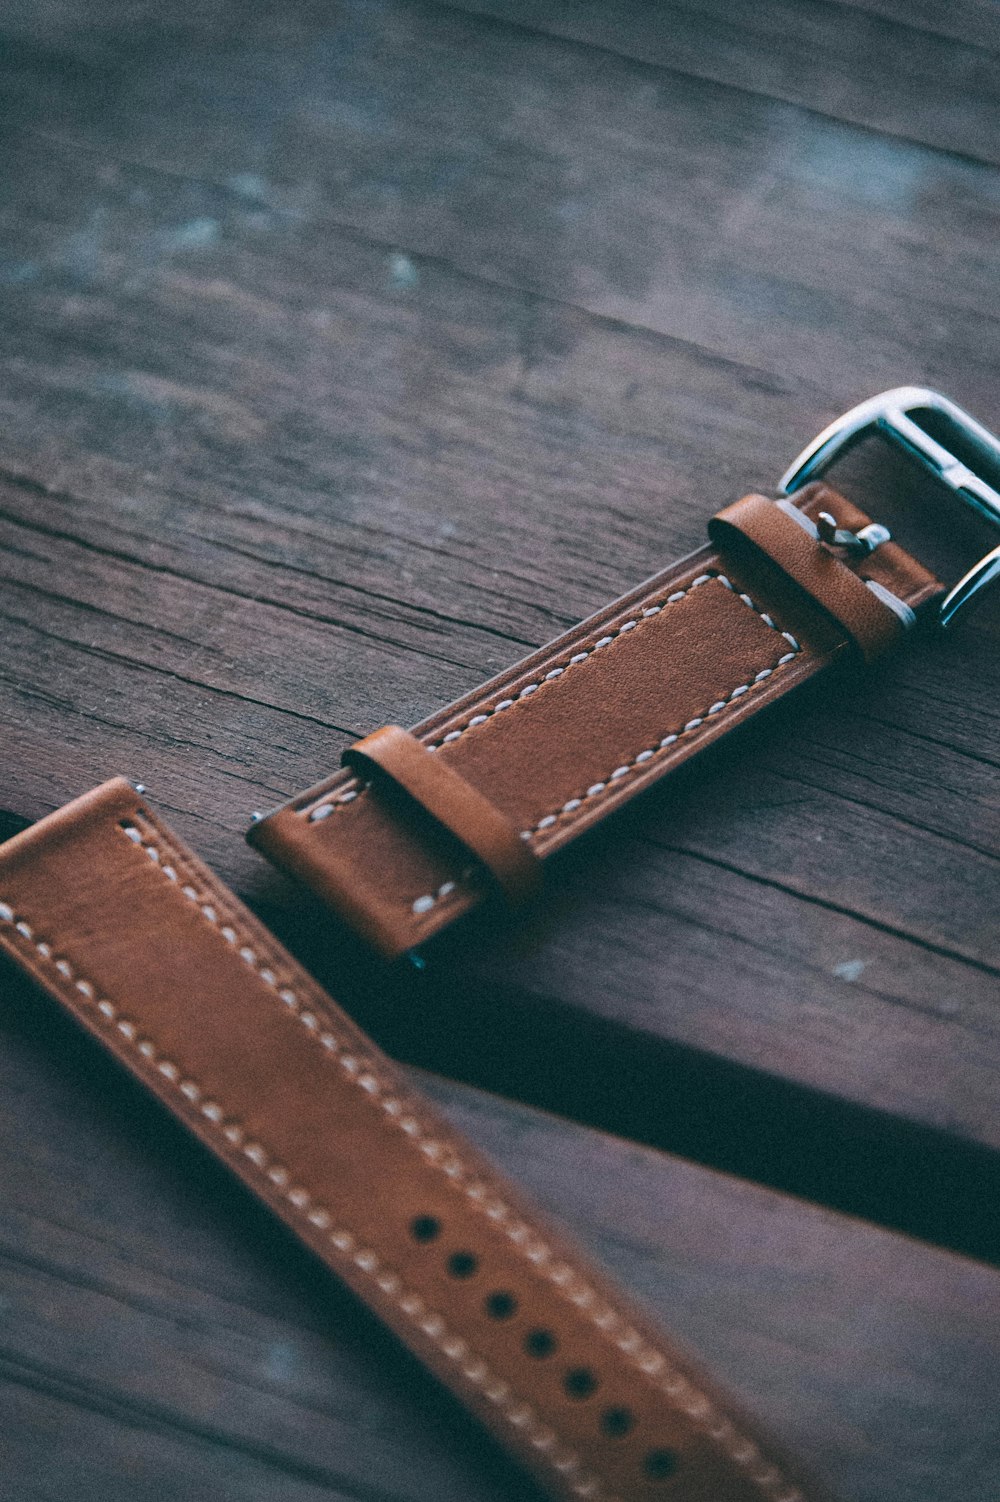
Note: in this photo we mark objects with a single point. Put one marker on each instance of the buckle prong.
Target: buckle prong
(891, 415)
(860, 543)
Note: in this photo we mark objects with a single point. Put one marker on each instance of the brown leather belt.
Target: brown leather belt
(123, 925)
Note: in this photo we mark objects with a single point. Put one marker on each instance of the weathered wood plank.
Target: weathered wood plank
(743, 225)
(922, 72)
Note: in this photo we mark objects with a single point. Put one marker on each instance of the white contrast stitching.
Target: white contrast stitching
(429, 900)
(514, 1409)
(324, 810)
(668, 740)
(329, 806)
(612, 1326)
(583, 653)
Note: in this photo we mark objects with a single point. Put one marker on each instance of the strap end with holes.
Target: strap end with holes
(558, 742)
(122, 925)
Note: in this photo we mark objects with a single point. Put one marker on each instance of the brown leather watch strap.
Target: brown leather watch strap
(866, 619)
(122, 924)
(569, 734)
(444, 795)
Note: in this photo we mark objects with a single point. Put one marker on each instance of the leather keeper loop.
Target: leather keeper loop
(476, 823)
(869, 623)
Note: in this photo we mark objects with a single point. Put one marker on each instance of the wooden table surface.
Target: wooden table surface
(348, 352)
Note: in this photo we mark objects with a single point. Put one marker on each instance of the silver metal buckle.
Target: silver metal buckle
(893, 415)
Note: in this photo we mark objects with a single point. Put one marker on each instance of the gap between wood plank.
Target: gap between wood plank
(789, 101)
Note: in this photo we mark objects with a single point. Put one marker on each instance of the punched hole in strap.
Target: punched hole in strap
(395, 756)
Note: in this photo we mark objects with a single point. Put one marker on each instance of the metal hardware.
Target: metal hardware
(862, 543)
(893, 415)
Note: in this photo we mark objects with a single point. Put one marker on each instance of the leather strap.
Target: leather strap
(568, 735)
(443, 793)
(871, 624)
(125, 927)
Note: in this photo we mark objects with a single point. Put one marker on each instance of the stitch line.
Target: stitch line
(584, 652)
(518, 1413)
(642, 1356)
(354, 790)
(429, 900)
(597, 788)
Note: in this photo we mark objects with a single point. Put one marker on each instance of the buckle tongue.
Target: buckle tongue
(893, 415)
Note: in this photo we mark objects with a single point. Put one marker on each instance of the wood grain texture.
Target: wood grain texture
(915, 73)
(347, 353)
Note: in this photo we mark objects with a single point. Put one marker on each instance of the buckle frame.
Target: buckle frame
(889, 416)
